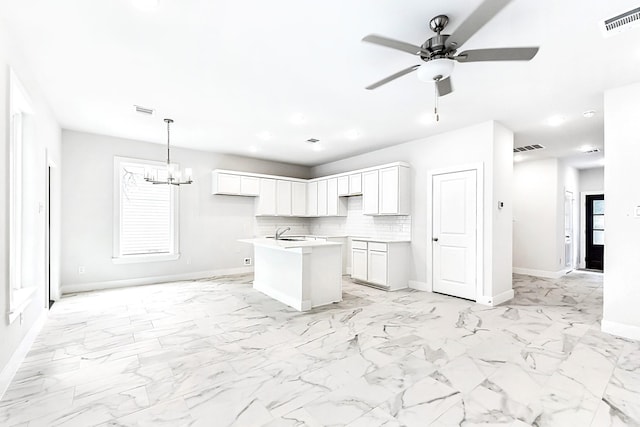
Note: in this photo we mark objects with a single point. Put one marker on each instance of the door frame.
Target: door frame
(49, 293)
(479, 169)
(583, 225)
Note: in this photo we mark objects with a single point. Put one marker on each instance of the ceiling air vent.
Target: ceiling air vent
(528, 148)
(592, 150)
(143, 110)
(312, 140)
(620, 23)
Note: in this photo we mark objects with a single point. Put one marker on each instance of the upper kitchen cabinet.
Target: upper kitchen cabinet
(385, 191)
(393, 192)
(355, 184)
(336, 206)
(234, 184)
(283, 198)
(370, 186)
(322, 198)
(267, 200)
(312, 198)
(298, 198)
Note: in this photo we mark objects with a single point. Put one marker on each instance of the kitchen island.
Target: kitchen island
(300, 273)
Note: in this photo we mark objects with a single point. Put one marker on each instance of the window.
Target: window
(146, 215)
(598, 222)
(22, 274)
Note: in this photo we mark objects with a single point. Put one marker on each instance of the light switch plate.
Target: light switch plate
(637, 212)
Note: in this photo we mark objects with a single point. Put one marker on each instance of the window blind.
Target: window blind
(145, 213)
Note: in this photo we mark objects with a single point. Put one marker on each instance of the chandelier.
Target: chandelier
(174, 176)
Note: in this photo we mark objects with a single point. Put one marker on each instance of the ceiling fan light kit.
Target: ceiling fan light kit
(439, 53)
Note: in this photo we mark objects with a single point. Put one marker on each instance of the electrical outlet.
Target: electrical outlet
(247, 261)
(188, 261)
(81, 269)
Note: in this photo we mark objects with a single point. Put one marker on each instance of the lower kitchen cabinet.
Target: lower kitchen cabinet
(380, 263)
(359, 264)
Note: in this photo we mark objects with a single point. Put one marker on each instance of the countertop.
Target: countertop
(381, 240)
(287, 244)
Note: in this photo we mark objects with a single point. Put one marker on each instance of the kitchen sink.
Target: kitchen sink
(289, 239)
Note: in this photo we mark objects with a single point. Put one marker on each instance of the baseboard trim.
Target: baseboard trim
(20, 353)
(419, 286)
(496, 299)
(95, 286)
(620, 329)
(540, 273)
(300, 305)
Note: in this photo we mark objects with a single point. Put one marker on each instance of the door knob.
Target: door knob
(435, 239)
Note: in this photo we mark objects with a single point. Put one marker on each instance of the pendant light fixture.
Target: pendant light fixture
(174, 176)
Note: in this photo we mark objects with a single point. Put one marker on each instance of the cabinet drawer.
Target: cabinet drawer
(377, 246)
(358, 244)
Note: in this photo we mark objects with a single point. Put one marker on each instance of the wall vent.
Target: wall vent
(620, 23)
(144, 110)
(312, 140)
(528, 148)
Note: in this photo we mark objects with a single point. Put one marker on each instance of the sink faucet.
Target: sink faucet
(280, 231)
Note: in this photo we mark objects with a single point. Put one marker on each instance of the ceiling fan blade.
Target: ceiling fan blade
(483, 14)
(444, 86)
(393, 44)
(500, 54)
(392, 77)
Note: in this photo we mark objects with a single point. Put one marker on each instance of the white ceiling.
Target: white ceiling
(227, 71)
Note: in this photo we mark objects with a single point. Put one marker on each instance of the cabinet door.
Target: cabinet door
(283, 204)
(267, 198)
(377, 267)
(370, 193)
(298, 198)
(322, 198)
(332, 196)
(359, 264)
(343, 186)
(249, 186)
(228, 184)
(389, 190)
(312, 199)
(355, 184)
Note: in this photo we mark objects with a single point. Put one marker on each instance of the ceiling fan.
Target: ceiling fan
(440, 51)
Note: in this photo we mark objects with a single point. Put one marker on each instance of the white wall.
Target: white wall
(535, 217)
(591, 179)
(43, 137)
(621, 177)
(489, 143)
(209, 225)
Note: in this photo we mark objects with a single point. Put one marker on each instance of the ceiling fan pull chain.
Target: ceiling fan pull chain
(435, 108)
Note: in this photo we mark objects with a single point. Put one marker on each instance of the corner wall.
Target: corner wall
(488, 143)
(621, 177)
(209, 225)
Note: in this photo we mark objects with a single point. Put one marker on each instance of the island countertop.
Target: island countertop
(287, 244)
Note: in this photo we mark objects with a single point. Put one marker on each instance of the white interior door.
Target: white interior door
(454, 234)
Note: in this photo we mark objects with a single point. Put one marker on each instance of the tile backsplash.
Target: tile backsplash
(354, 224)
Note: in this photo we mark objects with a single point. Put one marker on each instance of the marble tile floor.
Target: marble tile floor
(217, 353)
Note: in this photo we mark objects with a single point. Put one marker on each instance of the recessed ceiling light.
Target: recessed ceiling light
(298, 119)
(588, 114)
(353, 134)
(265, 135)
(146, 5)
(556, 120)
(518, 158)
(317, 147)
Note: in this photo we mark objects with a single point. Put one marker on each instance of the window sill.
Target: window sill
(21, 299)
(135, 259)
